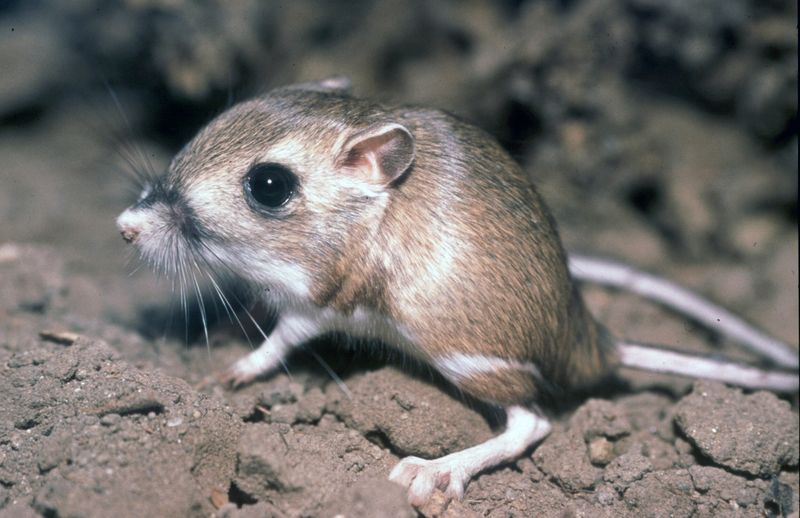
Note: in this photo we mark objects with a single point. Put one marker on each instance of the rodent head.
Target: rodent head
(273, 189)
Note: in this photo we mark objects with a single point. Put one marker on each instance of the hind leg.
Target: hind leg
(451, 473)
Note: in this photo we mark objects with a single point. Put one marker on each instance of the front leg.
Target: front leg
(291, 330)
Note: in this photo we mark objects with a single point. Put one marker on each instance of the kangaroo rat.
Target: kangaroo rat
(406, 225)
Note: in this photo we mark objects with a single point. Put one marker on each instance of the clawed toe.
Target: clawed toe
(406, 470)
(234, 378)
(422, 477)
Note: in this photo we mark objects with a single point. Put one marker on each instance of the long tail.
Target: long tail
(611, 273)
(657, 359)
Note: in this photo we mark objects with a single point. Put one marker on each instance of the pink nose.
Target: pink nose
(129, 234)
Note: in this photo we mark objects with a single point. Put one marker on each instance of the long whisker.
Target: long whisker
(136, 269)
(338, 380)
(335, 377)
(201, 304)
(130, 164)
(263, 334)
(224, 299)
(221, 297)
(168, 325)
(228, 307)
(244, 307)
(150, 170)
(181, 275)
(218, 260)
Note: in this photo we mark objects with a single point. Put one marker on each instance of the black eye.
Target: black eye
(270, 185)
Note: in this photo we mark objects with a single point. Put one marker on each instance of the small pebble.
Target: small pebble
(601, 451)
(110, 419)
(175, 421)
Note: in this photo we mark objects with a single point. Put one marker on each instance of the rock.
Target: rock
(717, 484)
(601, 451)
(685, 451)
(376, 498)
(75, 465)
(311, 406)
(414, 417)
(257, 510)
(601, 418)
(666, 494)
(303, 471)
(563, 457)
(439, 507)
(627, 468)
(261, 458)
(280, 395)
(755, 433)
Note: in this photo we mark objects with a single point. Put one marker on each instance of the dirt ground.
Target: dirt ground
(661, 134)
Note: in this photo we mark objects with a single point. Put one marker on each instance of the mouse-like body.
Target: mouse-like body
(401, 224)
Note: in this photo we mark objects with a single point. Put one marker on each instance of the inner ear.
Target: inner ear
(379, 154)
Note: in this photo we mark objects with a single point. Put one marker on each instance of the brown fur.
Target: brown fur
(460, 250)
(510, 296)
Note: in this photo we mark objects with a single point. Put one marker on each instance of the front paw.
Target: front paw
(421, 477)
(236, 376)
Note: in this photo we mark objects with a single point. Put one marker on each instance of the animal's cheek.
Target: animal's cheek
(214, 200)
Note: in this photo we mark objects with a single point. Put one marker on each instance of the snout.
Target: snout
(130, 225)
(129, 234)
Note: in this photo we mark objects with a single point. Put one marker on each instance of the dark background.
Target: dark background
(591, 92)
(662, 133)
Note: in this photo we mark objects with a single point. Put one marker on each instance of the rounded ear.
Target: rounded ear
(336, 85)
(379, 154)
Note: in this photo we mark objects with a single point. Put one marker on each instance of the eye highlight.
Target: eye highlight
(269, 186)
